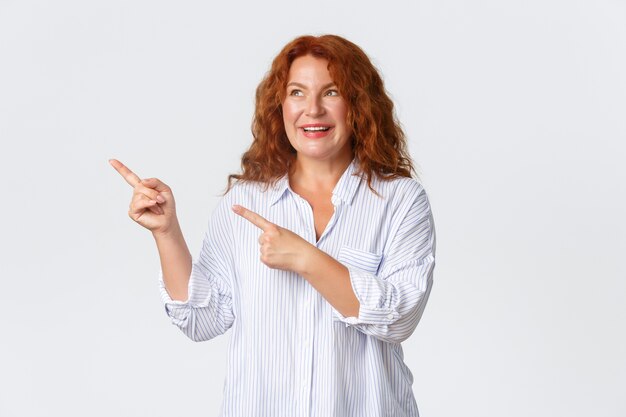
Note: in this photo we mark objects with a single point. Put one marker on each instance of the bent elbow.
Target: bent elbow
(401, 329)
(200, 329)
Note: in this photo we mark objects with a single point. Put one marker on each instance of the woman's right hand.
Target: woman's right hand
(152, 204)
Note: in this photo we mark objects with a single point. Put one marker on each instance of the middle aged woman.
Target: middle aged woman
(346, 240)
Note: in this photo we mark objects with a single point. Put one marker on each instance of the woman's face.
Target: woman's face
(315, 113)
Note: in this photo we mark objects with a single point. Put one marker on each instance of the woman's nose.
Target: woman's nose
(314, 107)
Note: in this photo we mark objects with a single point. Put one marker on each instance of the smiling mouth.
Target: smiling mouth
(316, 129)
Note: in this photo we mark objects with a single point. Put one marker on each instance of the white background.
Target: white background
(515, 112)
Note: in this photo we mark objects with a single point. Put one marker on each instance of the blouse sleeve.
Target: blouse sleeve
(393, 300)
(208, 311)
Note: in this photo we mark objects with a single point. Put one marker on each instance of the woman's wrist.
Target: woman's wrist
(173, 232)
(305, 260)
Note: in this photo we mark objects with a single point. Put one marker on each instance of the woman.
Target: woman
(346, 241)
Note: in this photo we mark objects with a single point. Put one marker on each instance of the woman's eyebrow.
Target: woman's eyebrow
(296, 84)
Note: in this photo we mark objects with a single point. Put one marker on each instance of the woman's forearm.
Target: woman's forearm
(175, 262)
(332, 280)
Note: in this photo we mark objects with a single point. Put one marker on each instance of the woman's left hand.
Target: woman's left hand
(280, 248)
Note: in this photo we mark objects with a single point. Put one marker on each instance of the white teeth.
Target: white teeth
(316, 129)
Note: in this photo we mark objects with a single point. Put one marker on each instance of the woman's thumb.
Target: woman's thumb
(155, 183)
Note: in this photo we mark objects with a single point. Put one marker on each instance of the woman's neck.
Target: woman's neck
(317, 175)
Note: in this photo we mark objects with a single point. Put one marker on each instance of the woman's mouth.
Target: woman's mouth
(316, 131)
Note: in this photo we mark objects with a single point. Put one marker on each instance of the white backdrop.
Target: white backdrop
(515, 112)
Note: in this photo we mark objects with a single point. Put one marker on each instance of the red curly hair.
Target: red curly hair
(378, 141)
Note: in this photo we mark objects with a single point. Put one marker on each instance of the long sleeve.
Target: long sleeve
(393, 300)
(208, 311)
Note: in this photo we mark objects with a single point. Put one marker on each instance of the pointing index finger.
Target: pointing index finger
(130, 177)
(252, 217)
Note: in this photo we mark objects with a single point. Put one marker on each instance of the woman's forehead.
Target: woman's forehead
(308, 69)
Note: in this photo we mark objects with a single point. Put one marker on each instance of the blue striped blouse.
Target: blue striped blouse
(291, 353)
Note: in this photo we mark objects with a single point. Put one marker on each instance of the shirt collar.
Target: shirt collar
(344, 191)
(279, 188)
(348, 184)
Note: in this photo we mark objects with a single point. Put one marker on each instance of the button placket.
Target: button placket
(307, 349)
(333, 219)
(308, 219)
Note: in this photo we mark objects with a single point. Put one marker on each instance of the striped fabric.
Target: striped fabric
(291, 354)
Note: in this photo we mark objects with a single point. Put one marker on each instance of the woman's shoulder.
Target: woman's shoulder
(402, 195)
(243, 193)
(398, 187)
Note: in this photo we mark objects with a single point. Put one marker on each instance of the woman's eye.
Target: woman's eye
(332, 93)
(295, 93)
